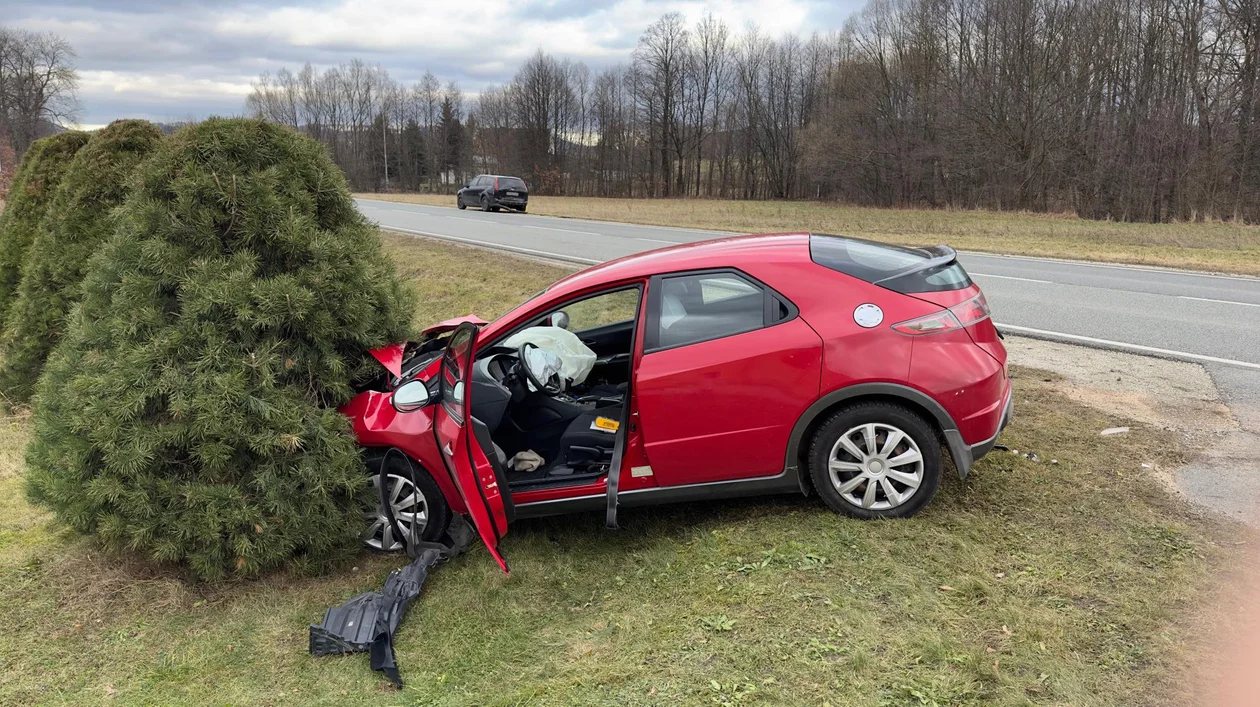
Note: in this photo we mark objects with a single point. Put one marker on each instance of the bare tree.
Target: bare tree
(1127, 109)
(38, 85)
(664, 56)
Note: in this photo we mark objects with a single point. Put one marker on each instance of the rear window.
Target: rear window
(511, 183)
(905, 270)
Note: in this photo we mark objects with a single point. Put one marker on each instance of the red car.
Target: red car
(788, 363)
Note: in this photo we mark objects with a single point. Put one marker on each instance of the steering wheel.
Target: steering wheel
(552, 387)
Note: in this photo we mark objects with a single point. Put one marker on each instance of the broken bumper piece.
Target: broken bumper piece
(369, 621)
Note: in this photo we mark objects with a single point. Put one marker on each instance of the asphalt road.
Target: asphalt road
(1212, 319)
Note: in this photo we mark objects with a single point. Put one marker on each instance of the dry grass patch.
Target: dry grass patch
(1222, 247)
(1032, 583)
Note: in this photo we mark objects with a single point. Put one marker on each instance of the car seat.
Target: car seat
(586, 444)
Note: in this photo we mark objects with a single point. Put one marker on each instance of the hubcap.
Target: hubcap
(410, 509)
(875, 466)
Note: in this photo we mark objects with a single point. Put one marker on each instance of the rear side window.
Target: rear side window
(511, 183)
(905, 270)
(697, 308)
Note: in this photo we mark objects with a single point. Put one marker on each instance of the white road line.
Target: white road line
(403, 211)
(496, 246)
(1113, 266)
(1008, 277)
(594, 222)
(973, 253)
(1218, 301)
(1138, 348)
(657, 240)
(1128, 347)
(562, 230)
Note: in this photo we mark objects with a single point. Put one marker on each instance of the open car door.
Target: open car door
(466, 447)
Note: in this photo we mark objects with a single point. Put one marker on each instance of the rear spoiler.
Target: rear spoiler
(937, 256)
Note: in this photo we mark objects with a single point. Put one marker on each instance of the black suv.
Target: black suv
(492, 191)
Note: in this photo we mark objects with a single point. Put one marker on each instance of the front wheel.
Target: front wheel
(459, 202)
(876, 460)
(415, 502)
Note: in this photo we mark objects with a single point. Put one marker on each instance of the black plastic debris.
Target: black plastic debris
(369, 621)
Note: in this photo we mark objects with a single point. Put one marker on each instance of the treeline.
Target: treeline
(37, 89)
(1140, 110)
(384, 135)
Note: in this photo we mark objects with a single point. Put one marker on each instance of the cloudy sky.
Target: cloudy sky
(177, 59)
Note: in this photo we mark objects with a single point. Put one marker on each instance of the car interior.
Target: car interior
(560, 431)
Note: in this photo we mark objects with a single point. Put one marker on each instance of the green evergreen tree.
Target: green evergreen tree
(414, 162)
(189, 411)
(77, 223)
(33, 187)
(452, 133)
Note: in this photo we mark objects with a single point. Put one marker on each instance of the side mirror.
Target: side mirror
(560, 319)
(410, 396)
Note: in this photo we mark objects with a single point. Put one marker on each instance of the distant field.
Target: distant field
(1221, 247)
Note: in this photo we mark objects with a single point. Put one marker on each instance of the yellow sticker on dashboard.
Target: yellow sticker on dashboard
(607, 424)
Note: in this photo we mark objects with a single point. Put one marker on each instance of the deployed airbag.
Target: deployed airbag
(576, 358)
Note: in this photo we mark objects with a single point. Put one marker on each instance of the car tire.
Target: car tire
(406, 472)
(459, 202)
(485, 204)
(856, 481)
(522, 209)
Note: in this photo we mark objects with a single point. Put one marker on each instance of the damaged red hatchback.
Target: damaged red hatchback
(789, 363)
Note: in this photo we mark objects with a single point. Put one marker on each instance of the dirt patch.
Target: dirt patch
(1171, 395)
(1222, 476)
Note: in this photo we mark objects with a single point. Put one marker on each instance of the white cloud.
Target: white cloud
(174, 86)
(185, 60)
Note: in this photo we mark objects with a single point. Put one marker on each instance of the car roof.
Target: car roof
(731, 251)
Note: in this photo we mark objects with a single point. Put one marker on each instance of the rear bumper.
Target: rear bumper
(965, 455)
(983, 448)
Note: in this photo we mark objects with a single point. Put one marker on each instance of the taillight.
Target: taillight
(931, 324)
(973, 310)
(961, 315)
(496, 184)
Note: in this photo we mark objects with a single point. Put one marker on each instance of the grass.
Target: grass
(1075, 583)
(1215, 246)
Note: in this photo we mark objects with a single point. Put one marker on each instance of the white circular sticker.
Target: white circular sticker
(868, 315)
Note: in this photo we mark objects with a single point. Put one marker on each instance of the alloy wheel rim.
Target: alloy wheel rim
(876, 466)
(410, 509)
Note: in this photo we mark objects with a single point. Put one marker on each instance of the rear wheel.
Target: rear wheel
(521, 209)
(415, 502)
(485, 204)
(876, 460)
